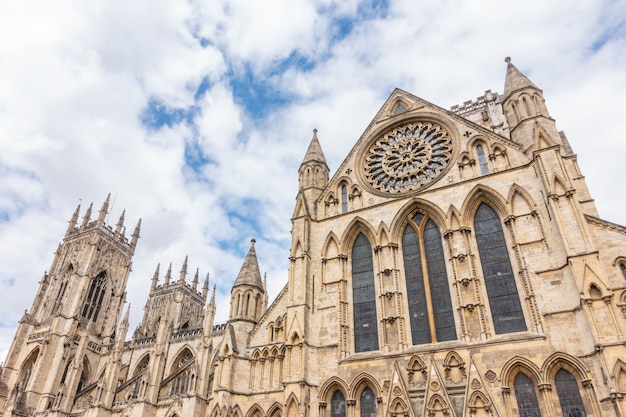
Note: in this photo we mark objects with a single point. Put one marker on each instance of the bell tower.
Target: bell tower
(74, 316)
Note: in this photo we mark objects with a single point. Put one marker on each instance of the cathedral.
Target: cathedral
(453, 265)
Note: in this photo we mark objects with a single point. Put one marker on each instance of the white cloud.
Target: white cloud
(77, 77)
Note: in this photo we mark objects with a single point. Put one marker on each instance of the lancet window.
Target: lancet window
(506, 309)
(338, 405)
(368, 403)
(428, 292)
(569, 395)
(95, 295)
(364, 296)
(482, 160)
(526, 396)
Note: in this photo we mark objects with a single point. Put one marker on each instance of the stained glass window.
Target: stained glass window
(526, 397)
(368, 403)
(427, 282)
(506, 310)
(93, 302)
(482, 161)
(364, 296)
(569, 396)
(338, 405)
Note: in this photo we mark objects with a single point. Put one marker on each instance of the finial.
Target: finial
(74, 219)
(315, 132)
(507, 59)
(252, 241)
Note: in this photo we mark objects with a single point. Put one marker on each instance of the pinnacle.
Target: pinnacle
(515, 79)
(250, 273)
(314, 153)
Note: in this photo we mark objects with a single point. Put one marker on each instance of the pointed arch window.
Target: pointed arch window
(569, 395)
(622, 268)
(527, 107)
(338, 405)
(364, 296)
(526, 396)
(428, 292)
(95, 295)
(482, 160)
(344, 198)
(506, 309)
(368, 403)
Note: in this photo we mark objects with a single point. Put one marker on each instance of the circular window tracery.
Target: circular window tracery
(408, 157)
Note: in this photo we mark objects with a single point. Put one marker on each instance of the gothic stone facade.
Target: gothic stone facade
(454, 265)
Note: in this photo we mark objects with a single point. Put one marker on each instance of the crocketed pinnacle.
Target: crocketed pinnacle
(515, 80)
(314, 153)
(250, 273)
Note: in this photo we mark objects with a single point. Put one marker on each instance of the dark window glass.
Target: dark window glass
(622, 267)
(482, 161)
(506, 310)
(344, 199)
(364, 296)
(425, 272)
(368, 403)
(569, 396)
(526, 397)
(338, 405)
(95, 296)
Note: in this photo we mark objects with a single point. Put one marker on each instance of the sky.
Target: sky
(195, 115)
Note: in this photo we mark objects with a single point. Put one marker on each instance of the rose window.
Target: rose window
(408, 157)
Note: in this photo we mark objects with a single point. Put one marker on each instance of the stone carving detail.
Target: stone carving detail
(408, 157)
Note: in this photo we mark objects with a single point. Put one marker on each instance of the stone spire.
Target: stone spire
(87, 215)
(205, 287)
(183, 271)
(314, 153)
(168, 274)
(194, 284)
(72, 223)
(102, 214)
(135, 236)
(250, 273)
(515, 80)
(155, 278)
(120, 223)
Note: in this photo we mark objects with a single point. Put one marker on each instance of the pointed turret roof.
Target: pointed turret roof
(515, 79)
(250, 273)
(314, 153)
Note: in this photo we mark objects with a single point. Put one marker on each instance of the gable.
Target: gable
(411, 146)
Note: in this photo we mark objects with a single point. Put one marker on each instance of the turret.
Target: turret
(313, 172)
(194, 283)
(205, 287)
(248, 293)
(524, 106)
(119, 227)
(87, 215)
(135, 236)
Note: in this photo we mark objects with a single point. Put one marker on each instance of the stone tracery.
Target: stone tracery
(408, 157)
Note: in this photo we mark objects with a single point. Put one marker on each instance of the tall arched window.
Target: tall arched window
(622, 268)
(526, 396)
(338, 405)
(344, 198)
(506, 310)
(368, 403)
(482, 161)
(93, 302)
(569, 396)
(428, 292)
(364, 296)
